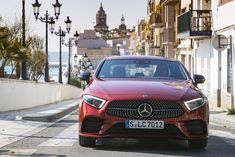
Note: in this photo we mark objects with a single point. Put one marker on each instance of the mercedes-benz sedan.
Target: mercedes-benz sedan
(143, 97)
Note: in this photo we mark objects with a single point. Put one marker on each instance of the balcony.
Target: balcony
(155, 20)
(194, 24)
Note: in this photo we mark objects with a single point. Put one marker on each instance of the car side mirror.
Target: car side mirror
(198, 79)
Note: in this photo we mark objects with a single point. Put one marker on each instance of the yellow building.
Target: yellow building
(159, 30)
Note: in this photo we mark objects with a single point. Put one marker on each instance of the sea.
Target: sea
(54, 66)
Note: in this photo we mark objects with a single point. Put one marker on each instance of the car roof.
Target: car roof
(138, 57)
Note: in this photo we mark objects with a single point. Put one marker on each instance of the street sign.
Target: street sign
(220, 42)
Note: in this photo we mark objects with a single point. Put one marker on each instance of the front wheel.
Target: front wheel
(197, 143)
(87, 141)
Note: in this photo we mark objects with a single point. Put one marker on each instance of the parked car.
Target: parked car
(143, 97)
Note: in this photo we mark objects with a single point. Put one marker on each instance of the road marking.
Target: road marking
(66, 138)
(12, 131)
(15, 130)
(18, 152)
(227, 136)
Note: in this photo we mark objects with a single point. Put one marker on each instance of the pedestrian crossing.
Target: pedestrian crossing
(68, 137)
(12, 131)
(226, 136)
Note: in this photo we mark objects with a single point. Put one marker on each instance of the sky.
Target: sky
(81, 12)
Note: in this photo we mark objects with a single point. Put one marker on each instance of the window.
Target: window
(148, 69)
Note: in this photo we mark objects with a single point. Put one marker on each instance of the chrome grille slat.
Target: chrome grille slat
(129, 109)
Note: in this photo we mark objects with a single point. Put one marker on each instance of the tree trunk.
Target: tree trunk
(1, 72)
(2, 68)
(18, 70)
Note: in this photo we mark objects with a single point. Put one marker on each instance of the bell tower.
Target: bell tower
(101, 19)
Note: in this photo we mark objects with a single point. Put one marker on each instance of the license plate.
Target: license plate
(144, 124)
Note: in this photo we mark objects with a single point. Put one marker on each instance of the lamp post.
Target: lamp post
(75, 58)
(46, 19)
(23, 63)
(61, 34)
(85, 65)
(69, 45)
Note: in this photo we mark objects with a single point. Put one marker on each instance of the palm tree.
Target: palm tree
(11, 50)
(17, 54)
(4, 45)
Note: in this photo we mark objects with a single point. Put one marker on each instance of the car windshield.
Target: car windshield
(139, 68)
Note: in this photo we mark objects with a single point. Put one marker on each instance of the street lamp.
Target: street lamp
(23, 63)
(85, 68)
(75, 58)
(85, 63)
(46, 19)
(70, 44)
(61, 34)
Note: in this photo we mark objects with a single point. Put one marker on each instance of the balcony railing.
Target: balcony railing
(195, 24)
(155, 19)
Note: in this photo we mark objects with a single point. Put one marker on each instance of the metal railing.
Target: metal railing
(195, 21)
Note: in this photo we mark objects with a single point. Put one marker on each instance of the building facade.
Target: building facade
(186, 30)
(157, 34)
(170, 12)
(222, 62)
(184, 51)
(94, 46)
(217, 65)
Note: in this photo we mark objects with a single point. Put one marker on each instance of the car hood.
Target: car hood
(139, 89)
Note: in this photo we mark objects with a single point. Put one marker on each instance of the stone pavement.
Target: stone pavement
(222, 118)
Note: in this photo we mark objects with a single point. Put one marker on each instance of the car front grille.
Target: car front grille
(129, 109)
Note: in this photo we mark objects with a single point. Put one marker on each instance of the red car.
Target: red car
(143, 97)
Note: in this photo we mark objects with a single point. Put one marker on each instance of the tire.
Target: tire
(197, 144)
(87, 141)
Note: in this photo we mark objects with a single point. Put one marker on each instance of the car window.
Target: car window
(142, 68)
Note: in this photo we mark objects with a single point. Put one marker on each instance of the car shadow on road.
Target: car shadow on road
(151, 146)
(216, 147)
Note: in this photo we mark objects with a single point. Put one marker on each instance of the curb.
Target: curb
(51, 115)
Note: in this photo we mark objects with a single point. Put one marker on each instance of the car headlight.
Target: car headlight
(195, 103)
(94, 101)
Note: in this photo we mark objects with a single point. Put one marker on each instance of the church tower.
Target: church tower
(101, 25)
(122, 26)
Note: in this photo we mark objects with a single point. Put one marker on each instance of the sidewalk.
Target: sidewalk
(222, 118)
(45, 113)
(16, 125)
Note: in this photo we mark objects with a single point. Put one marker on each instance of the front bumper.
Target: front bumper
(98, 124)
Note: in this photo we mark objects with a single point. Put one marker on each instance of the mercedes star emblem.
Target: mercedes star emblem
(145, 110)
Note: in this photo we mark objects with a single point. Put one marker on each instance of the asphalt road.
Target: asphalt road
(60, 140)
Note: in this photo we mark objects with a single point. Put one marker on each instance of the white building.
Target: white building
(219, 79)
(120, 45)
(223, 24)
